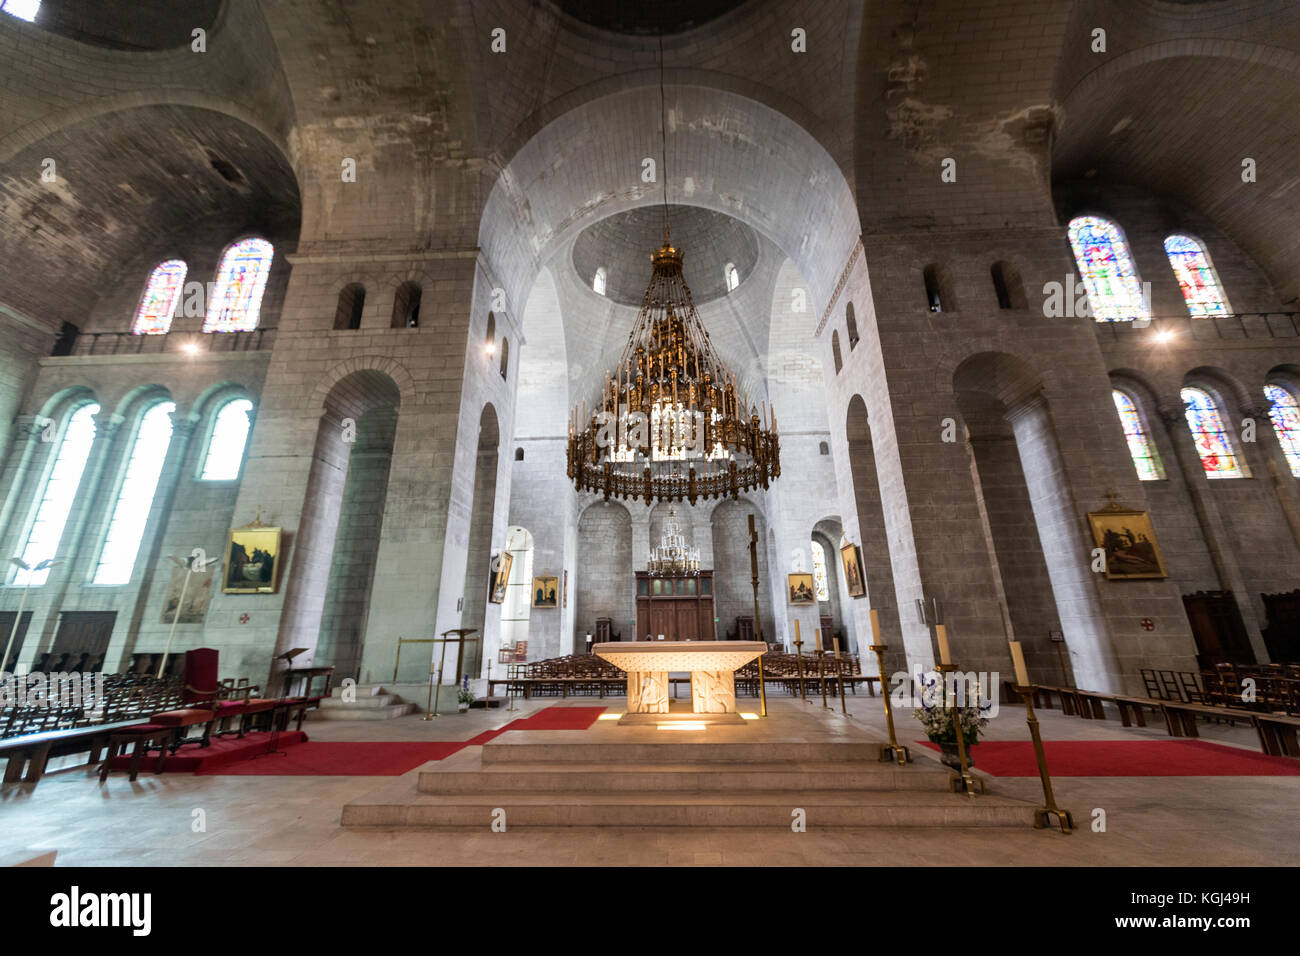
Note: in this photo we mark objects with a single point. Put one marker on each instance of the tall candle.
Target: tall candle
(941, 635)
(817, 638)
(836, 642)
(797, 638)
(1018, 660)
(875, 627)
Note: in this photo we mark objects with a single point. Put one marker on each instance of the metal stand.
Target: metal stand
(758, 624)
(821, 676)
(1043, 814)
(965, 781)
(460, 640)
(893, 751)
(798, 650)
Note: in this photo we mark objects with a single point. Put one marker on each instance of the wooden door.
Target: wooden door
(828, 632)
(6, 628)
(687, 620)
(1282, 630)
(1218, 629)
(81, 633)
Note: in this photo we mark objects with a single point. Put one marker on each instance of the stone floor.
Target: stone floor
(1151, 821)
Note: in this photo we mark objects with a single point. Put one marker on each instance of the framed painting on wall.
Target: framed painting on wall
(851, 557)
(1128, 542)
(800, 588)
(500, 576)
(546, 591)
(252, 564)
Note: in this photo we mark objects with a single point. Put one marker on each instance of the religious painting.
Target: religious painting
(546, 591)
(500, 576)
(1128, 542)
(800, 588)
(252, 560)
(198, 595)
(851, 556)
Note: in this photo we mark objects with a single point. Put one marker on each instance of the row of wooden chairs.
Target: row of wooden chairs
(126, 697)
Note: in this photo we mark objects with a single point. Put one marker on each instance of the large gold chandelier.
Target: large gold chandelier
(672, 424)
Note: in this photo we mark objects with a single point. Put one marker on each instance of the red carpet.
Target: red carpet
(390, 759)
(221, 752)
(1127, 758)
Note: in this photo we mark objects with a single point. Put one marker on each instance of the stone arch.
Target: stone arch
(373, 380)
(604, 575)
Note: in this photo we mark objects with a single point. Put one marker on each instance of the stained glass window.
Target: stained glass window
(1212, 442)
(158, 305)
(226, 446)
(1284, 410)
(1114, 289)
(1196, 276)
(1140, 448)
(819, 572)
(22, 9)
(57, 494)
(135, 496)
(241, 280)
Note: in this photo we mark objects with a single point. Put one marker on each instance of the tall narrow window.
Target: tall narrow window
(241, 281)
(1114, 289)
(1140, 448)
(58, 493)
(851, 325)
(225, 454)
(406, 306)
(732, 276)
(352, 302)
(823, 592)
(505, 356)
(158, 304)
(598, 281)
(22, 9)
(934, 288)
(1196, 276)
(1284, 410)
(835, 350)
(135, 496)
(1212, 442)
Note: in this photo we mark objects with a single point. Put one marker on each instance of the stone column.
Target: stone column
(1270, 449)
(1217, 540)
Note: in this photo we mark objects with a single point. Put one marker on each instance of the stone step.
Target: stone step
(363, 691)
(398, 807)
(379, 700)
(465, 773)
(354, 712)
(681, 752)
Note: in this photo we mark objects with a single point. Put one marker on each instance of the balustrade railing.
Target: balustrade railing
(1237, 325)
(194, 343)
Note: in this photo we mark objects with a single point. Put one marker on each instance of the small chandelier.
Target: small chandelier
(672, 423)
(673, 555)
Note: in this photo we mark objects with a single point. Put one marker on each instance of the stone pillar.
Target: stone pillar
(1217, 540)
(1270, 449)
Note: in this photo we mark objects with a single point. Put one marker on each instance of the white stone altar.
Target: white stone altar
(712, 666)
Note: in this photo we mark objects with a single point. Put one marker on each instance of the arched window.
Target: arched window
(823, 592)
(1196, 276)
(491, 340)
(935, 291)
(57, 493)
(1212, 441)
(226, 443)
(835, 350)
(352, 301)
(1007, 285)
(135, 495)
(22, 9)
(158, 304)
(519, 454)
(241, 280)
(851, 322)
(732, 276)
(1284, 410)
(1140, 447)
(505, 356)
(823, 448)
(406, 306)
(598, 281)
(1114, 289)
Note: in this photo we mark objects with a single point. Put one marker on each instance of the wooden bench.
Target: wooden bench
(1277, 734)
(33, 751)
(1180, 718)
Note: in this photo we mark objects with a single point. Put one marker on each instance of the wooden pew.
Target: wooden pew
(32, 751)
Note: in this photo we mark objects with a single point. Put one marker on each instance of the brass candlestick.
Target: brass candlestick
(893, 751)
(1049, 808)
(798, 659)
(762, 688)
(839, 675)
(821, 674)
(965, 781)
